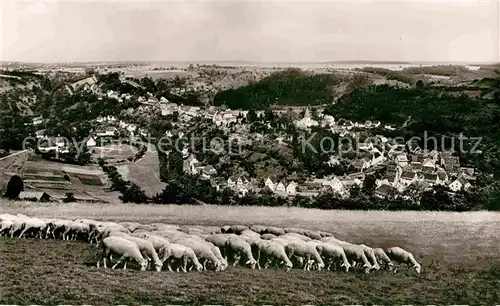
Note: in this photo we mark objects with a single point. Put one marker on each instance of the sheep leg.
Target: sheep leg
(237, 258)
(184, 263)
(118, 262)
(125, 265)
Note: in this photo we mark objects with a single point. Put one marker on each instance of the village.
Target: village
(404, 169)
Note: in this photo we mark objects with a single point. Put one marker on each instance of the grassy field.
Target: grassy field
(459, 253)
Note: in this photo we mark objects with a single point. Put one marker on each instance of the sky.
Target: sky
(261, 31)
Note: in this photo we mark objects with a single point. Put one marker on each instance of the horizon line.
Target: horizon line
(259, 62)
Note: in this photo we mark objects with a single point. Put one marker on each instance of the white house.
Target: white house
(231, 183)
(459, 184)
(91, 142)
(280, 187)
(291, 188)
(269, 183)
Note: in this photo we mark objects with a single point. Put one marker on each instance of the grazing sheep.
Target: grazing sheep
(383, 258)
(370, 254)
(34, 225)
(203, 251)
(333, 253)
(123, 247)
(275, 252)
(277, 231)
(294, 230)
(355, 253)
(5, 226)
(257, 244)
(147, 250)
(161, 245)
(184, 254)
(236, 247)
(313, 235)
(236, 229)
(296, 236)
(17, 226)
(249, 233)
(268, 236)
(307, 251)
(400, 256)
(219, 256)
(258, 228)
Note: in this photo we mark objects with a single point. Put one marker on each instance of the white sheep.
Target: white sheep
(34, 225)
(400, 256)
(356, 253)
(203, 251)
(147, 250)
(370, 254)
(124, 248)
(161, 244)
(184, 254)
(306, 251)
(236, 247)
(333, 253)
(383, 258)
(275, 252)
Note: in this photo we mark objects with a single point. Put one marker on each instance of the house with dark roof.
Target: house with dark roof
(431, 178)
(408, 177)
(36, 196)
(385, 191)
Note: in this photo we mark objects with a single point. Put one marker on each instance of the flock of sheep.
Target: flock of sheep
(201, 248)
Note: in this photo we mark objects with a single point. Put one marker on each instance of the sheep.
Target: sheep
(219, 256)
(123, 247)
(370, 254)
(236, 229)
(268, 236)
(307, 251)
(203, 251)
(383, 258)
(147, 250)
(355, 253)
(294, 230)
(282, 241)
(237, 247)
(5, 226)
(256, 244)
(161, 245)
(34, 225)
(259, 229)
(278, 231)
(249, 233)
(75, 229)
(17, 226)
(273, 251)
(184, 253)
(333, 252)
(400, 256)
(313, 235)
(55, 227)
(298, 236)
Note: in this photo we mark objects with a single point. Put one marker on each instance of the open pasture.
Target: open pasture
(459, 253)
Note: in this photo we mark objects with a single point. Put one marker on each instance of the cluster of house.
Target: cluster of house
(341, 127)
(421, 171)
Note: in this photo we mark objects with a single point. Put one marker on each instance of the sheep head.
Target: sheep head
(158, 266)
(199, 267)
(417, 268)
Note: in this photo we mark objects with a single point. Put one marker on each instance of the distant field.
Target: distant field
(459, 252)
(144, 172)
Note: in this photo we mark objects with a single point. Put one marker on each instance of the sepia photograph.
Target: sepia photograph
(250, 152)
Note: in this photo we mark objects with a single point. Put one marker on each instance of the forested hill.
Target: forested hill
(287, 87)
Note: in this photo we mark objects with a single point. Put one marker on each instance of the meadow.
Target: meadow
(459, 253)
